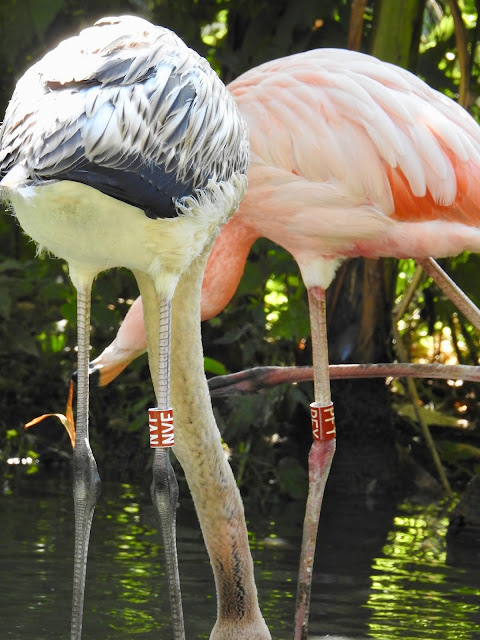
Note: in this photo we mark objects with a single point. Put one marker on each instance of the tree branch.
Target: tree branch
(356, 24)
(461, 38)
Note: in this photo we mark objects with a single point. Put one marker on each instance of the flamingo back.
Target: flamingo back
(346, 149)
(127, 108)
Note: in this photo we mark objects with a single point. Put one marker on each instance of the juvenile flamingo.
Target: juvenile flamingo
(121, 147)
(351, 156)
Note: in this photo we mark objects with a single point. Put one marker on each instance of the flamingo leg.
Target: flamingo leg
(164, 488)
(320, 457)
(86, 481)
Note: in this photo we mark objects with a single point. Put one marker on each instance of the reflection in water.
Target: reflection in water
(414, 593)
(379, 573)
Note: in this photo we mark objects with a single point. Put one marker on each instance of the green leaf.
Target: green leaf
(432, 417)
(214, 366)
(43, 13)
(457, 451)
(9, 264)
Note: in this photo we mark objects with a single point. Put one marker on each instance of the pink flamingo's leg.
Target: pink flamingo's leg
(320, 457)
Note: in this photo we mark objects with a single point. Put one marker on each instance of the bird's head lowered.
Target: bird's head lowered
(129, 112)
(125, 108)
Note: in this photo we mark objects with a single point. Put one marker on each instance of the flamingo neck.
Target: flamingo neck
(198, 448)
(225, 266)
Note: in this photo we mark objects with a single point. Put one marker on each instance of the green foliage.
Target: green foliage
(267, 321)
(455, 452)
(266, 434)
(398, 46)
(214, 366)
(260, 30)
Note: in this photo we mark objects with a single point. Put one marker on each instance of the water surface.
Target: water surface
(380, 571)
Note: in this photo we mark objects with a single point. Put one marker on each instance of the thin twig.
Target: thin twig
(461, 38)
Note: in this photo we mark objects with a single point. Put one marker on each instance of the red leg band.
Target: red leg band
(160, 422)
(323, 422)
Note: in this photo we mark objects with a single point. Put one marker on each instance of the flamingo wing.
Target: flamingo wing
(346, 149)
(341, 116)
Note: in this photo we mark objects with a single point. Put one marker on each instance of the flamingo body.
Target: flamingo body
(122, 147)
(109, 145)
(350, 156)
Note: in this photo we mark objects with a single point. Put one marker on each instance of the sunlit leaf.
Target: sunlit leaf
(431, 416)
(214, 366)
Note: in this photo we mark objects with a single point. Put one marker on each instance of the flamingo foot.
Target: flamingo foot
(86, 489)
(164, 491)
(255, 630)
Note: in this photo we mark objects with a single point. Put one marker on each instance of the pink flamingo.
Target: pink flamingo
(351, 156)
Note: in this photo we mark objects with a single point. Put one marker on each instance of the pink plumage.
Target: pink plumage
(350, 157)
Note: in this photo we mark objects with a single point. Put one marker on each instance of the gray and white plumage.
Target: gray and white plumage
(127, 108)
(124, 107)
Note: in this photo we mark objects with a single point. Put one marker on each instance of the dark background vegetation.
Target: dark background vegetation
(379, 443)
